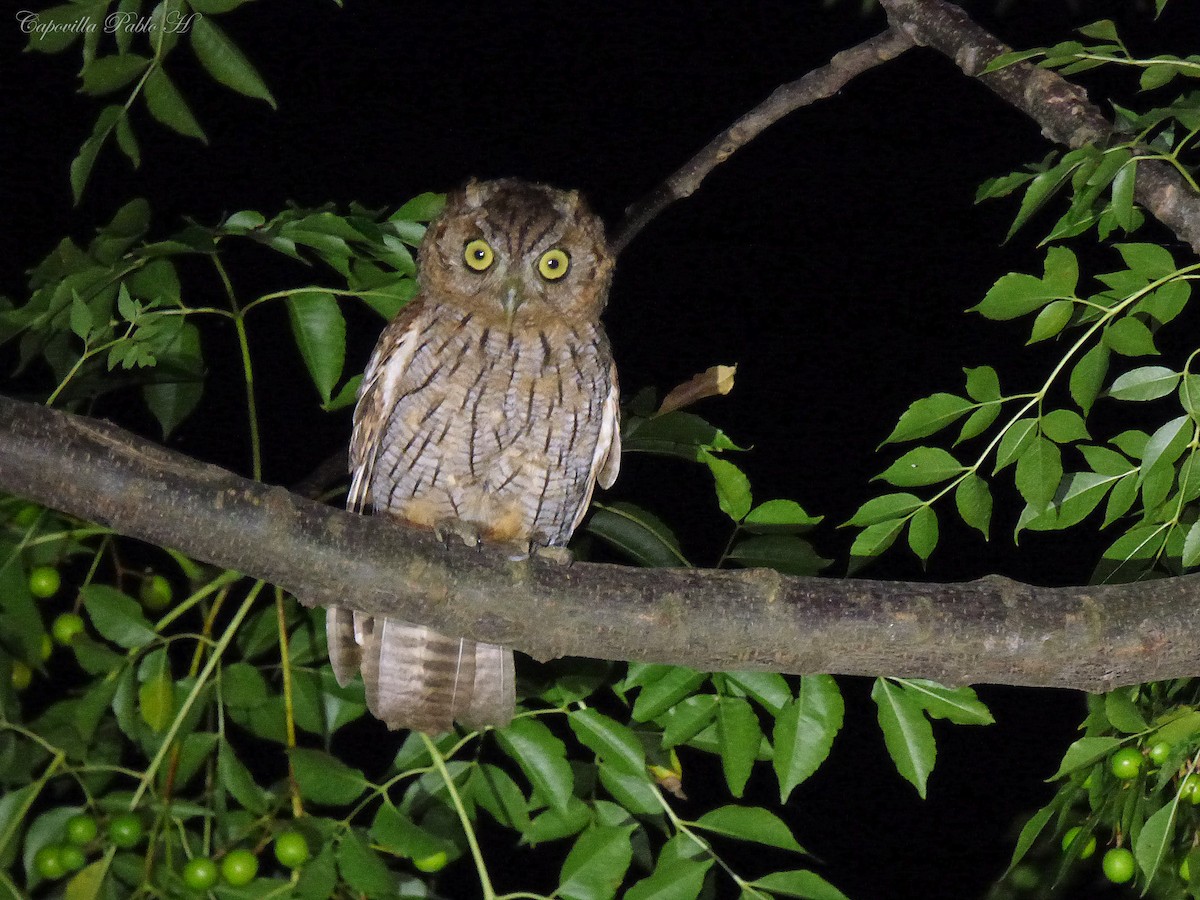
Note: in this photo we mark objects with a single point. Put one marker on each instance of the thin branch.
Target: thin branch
(818, 84)
(992, 630)
(1060, 107)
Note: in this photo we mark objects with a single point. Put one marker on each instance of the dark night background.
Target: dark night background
(831, 259)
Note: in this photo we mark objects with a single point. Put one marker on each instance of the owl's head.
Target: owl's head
(516, 252)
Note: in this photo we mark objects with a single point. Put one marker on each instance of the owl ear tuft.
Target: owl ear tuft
(472, 193)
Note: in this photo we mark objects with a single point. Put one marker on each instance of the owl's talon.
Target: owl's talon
(465, 532)
(561, 556)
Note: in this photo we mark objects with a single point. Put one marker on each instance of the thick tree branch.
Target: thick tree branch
(1060, 107)
(992, 630)
(816, 85)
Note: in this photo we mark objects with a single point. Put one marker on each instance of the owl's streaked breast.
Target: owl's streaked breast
(494, 427)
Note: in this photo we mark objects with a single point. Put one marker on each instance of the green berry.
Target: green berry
(239, 867)
(1118, 865)
(156, 593)
(1159, 752)
(200, 873)
(125, 830)
(26, 516)
(1189, 787)
(1126, 763)
(72, 858)
(81, 830)
(22, 675)
(44, 581)
(291, 849)
(434, 862)
(1069, 838)
(49, 862)
(66, 627)
(1184, 870)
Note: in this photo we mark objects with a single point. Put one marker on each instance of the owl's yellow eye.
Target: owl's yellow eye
(554, 264)
(478, 255)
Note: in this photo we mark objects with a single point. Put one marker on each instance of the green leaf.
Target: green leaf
(639, 534)
(494, 790)
(635, 793)
(1122, 712)
(928, 416)
(804, 731)
(237, 780)
(156, 701)
(874, 540)
(1191, 546)
(225, 61)
(1152, 842)
(983, 384)
(1130, 337)
(362, 868)
(1166, 445)
(740, 738)
(1104, 30)
(1039, 470)
(687, 718)
(325, 779)
(399, 834)
(750, 823)
(906, 732)
(672, 879)
(1016, 440)
(922, 466)
(87, 883)
(1088, 377)
(320, 332)
(923, 532)
(109, 73)
(733, 487)
(1064, 426)
(1084, 752)
(1151, 261)
(1061, 271)
(180, 381)
(543, 759)
(885, 508)
(422, 208)
(973, 498)
(779, 515)
(1051, 320)
(167, 105)
(799, 883)
(1156, 76)
(785, 553)
(1029, 833)
(1040, 190)
(596, 865)
(1144, 383)
(1015, 295)
(769, 689)
(680, 434)
(1122, 194)
(613, 742)
(1165, 303)
(668, 688)
(117, 616)
(959, 705)
(978, 422)
(81, 165)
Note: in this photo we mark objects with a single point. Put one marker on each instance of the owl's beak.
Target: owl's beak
(512, 299)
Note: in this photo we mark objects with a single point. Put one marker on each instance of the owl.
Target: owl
(489, 411)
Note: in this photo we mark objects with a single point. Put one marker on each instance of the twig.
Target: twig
(816, 85)
(1060, 107)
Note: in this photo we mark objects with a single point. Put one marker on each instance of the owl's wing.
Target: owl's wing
(393, 353)
(606, 460)
(376, 397)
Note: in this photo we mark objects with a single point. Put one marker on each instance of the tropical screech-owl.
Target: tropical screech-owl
(489, 411)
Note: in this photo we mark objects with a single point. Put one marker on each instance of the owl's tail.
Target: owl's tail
(419, 679)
